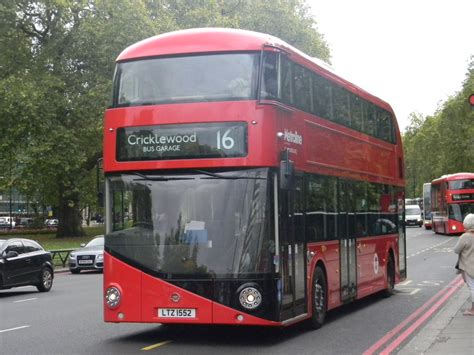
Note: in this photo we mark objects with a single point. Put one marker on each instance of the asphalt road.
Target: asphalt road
(69, 318)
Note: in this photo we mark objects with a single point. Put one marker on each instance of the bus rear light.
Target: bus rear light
(250, 297)
(113, 297)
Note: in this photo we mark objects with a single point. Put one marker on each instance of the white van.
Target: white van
(413, 215)
(5, 222)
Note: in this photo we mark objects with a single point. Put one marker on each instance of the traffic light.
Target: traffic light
(471, 100)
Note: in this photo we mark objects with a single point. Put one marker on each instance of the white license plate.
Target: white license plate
(176, 313)
(86, 261)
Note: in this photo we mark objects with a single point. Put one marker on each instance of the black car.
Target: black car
(24, 262)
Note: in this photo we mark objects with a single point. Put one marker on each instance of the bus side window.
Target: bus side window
(370, 124)
(384, 125)
(358, 108)
(269, 87)
(286, 81)
(341, 106)
(302, 88)
(322, 97)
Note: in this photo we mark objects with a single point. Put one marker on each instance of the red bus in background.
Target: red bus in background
(245, 184)
(452, 198)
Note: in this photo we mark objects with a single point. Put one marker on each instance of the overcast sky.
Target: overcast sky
(413, 54)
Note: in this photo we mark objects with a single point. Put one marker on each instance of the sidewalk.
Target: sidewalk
(448, 332)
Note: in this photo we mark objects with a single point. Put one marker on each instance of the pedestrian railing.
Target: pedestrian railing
(62, 254)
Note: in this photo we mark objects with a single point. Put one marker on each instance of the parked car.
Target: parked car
(24, 262)
(413, 215)
(7, 222)
(51, 223)
(25, 223)
(89, 257)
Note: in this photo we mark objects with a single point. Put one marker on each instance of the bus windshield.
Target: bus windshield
(202, 224)
(459, 211)
(216, 77)
(461, 184)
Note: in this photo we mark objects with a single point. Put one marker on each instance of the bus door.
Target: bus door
(347, 241)
(292, 251)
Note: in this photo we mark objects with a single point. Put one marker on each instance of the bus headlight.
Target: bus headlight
(453, 228)
(250, 298)
(112, 297)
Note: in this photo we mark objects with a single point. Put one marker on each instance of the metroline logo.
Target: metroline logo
(291, 137)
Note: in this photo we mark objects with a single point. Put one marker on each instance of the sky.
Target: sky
(414, 54)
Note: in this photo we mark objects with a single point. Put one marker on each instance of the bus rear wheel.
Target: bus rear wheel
(319, 298)
(390, 290)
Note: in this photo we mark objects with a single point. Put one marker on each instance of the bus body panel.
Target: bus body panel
(261, 133)
(128, 280)
(320, 152)
(143, 295)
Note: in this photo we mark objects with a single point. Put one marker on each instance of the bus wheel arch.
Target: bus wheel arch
(319, 296)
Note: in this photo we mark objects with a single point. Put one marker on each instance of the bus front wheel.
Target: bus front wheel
(319, 298)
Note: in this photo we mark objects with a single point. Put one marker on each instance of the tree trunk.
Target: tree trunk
(69, 215)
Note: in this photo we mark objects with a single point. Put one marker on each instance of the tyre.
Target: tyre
(319, 298)
(390, 290)
(46, 280)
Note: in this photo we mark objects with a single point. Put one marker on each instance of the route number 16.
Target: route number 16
(225, 142)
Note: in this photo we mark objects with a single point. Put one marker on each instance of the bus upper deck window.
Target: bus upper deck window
(269, 87)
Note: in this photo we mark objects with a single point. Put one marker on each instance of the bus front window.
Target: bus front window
(217, 77)
(459, 211)
(209, 225)
(461, 184)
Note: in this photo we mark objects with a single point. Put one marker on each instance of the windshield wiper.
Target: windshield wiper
(144, 177)
(219, 176)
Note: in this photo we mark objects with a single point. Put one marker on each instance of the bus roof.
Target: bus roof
(451, 177)
(207, 40)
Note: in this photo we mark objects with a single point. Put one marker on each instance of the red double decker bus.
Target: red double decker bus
(245, 184)
(452, 198)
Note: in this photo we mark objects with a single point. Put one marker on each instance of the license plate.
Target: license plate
(176, 313)
(86, 261)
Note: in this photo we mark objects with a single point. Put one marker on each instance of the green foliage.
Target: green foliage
(442, 143)
(289, 20)
(56, 67)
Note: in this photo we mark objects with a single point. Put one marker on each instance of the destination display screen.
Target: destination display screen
(462, 197)
(182, 141)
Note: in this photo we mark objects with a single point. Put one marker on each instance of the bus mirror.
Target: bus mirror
(286, 174)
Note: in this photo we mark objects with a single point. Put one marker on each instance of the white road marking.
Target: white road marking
(26, 300)
(12, 329)
(432, 247)
(405, 283)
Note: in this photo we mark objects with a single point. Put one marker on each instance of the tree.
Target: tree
(58, 92)
(290, 20)
(56, 65)
(441, 144)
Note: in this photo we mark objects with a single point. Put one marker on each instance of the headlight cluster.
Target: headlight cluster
(112, 297)
(250, 298)
(100, 257)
